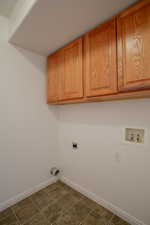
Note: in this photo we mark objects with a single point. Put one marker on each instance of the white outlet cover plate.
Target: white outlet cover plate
(146, 135)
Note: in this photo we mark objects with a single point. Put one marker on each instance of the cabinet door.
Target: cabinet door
(72, 75)
(100, 60)
(134, 47)
(54, 73)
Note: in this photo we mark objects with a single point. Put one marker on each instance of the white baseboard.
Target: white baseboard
(114, 209)
(26, 194)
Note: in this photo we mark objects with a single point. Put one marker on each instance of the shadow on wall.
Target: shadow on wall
(38, 62)
(124, 112)
(39, 65)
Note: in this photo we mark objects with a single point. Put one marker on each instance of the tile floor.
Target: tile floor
(58, 204)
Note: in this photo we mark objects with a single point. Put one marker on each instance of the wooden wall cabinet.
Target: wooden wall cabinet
(71, 80)
(54, 73)
(65, 73)
(100, 60)
(134, 47)
(108, 63)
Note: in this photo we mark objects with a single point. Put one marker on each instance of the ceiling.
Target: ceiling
(6, 7)
(50, 24)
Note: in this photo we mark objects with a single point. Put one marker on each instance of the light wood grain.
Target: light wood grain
(134, 47)
(54, 74)
(72, 74)
(111, 97)
(100, 60)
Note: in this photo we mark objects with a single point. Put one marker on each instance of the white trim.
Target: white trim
(114, 209)
(26, 194)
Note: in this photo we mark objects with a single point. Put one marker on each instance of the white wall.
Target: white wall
(28, 126)
(104, 164)
(19, 13)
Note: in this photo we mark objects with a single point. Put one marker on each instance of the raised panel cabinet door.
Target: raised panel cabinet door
(134, 47)
(54, 71)
(100, 60)
(72, 74)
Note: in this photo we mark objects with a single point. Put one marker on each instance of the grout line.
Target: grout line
(50, 204)
(86, 217)
(27, 220)
(102, 215)
(4, 216)
(64, 210)
(41, 210)
(13, 211)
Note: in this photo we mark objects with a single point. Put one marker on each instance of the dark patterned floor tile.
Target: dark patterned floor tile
(106, 214)
(6, 213)
(24, 210)
(122, 222)
(76, 194)
(67, 219)
(94, 219)
(52, 186)
(79, 212)
(38, 219)
(8, 221)
(91, 204)
(55, 192)
(53, 212)
(70, 190)
(42, 199)
(98, 208)
(118, 221)
(115, 219)
(61, 184)
(68, 201)
(7, 217)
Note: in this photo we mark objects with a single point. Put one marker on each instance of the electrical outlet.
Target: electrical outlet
(134, 135)
(74, 145)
